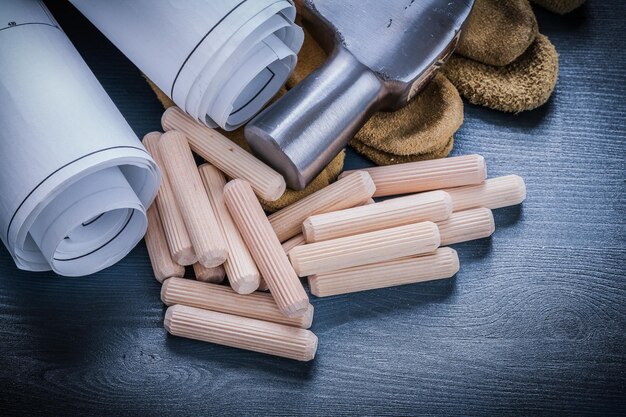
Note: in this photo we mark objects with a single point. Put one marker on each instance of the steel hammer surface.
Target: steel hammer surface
(381, 53)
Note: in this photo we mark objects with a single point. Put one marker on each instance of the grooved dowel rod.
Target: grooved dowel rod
(353, 190)
(243, 275)
(260, 306)
(366, 248)
(265, 248)
(241, 332)
(162, 263)
(293, 242)
(414, 177)
(213, 275)
(174, 228)
(467, 225)
(443, 263)
(194, 205)
(494, 193)
(433, 206)
(227, 156)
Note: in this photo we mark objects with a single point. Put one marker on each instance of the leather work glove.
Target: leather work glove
(503, 62)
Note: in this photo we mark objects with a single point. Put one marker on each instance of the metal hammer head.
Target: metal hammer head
(381, 54)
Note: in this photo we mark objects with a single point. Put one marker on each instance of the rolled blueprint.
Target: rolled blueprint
(219, 61)
(74, 179)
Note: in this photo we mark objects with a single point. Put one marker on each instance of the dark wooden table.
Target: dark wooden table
(534, 323)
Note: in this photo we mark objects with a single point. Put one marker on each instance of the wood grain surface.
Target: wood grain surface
(533, 324)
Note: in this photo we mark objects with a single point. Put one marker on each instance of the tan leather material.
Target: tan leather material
(525, 84)
(382, 158)
(424, 126)
(498, 32)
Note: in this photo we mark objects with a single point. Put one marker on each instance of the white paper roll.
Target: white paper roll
(74, 178)
(219, 61)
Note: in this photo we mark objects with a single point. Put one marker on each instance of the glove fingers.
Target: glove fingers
(383, 158)
(498, 32)
(425, 125)
(524, 84)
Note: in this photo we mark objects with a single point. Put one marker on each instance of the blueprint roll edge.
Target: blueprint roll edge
(219, 61)
(75, 181)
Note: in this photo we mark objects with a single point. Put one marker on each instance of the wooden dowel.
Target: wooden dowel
(436, 174)
(433, 206)
(494, 193)
(348, 192)
(265, 248)
(366, 248)
(195, 208)
(227, 156)
(174, 228)
(213, 275)
(162, 263)
(443, 263)
(467, 225)
(243, 275)
(293, 242)
(220, 298)
(241, 332)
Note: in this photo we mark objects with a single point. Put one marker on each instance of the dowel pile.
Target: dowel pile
(338, 237)
(190, 225)
(348, 250)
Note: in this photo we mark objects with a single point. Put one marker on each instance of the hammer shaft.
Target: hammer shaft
(316, 119)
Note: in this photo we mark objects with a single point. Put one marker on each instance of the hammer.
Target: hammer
(382, 53)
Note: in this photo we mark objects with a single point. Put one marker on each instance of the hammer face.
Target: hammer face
(399, 40)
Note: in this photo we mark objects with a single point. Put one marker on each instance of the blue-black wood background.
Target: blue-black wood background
(534, 323)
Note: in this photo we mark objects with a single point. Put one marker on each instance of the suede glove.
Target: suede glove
(503, 62)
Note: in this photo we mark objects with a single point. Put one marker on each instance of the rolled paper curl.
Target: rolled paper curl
(219, 61)
(75, 179)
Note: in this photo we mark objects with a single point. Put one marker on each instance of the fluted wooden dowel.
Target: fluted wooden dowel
(350, 191)
(220, 298)
(265, 248)
(162, 263)
(433, 206)
(494, 193)
(414, 177)
(243, 275)
(174, 228)
(227, 156)
(443, 263)
(293, 242)
(213, 275)
(193, 202)
(241, 332)
(366, 248)
(467, 225)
